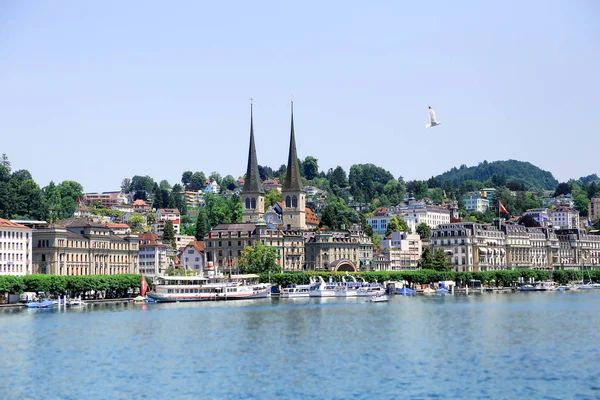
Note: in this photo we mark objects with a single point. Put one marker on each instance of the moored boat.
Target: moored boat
(378, 298)
(198, 288)
(42, 304)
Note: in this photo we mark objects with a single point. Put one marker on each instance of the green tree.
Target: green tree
(216, 176)
(376, 239)
(197, 181)
(337, 213)
(562, 188)
(126, 185)
(169, 234)
(228, 182)
(259, 259)
(435, 260)
(310, 167)
(186, 177)
(272, 197)
(424, 230)
(136, 221)
(338, 177)
(397, 224)
(142, 183)
(202, 227)
(164, 184)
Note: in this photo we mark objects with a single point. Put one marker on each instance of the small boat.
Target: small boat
(377, 298)
(442, 291)
(544, 286)
(589, 286)
(42, 304)
(406, 291)
(75, 303)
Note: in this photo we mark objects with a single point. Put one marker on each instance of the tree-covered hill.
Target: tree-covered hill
(502, 171)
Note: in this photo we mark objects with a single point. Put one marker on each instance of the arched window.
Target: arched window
(294, 201)
(247, 203)
(288, 201)
(253, 203)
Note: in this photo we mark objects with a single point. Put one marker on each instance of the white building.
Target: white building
(192, 256)
(183, 240)
(416, 212)
(541, 215)
(565, 218)
(475, 202)
(162, 216)
(152, 255)
(212, 187)
(15, 248)
(404, 250)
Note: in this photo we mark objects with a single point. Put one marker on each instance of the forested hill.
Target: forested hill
(501, 172)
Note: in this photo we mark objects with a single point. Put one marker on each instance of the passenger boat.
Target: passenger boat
(348, 289)
(589, 286)
(217, 287)
(323, 289)
(544, 286)
(296, 291)
(368, 289)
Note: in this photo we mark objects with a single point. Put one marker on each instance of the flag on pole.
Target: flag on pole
(79, 201)
(501, 208)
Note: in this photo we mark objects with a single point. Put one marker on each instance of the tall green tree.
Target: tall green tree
(197, 181)
(169, 234)
(338, 177)
(164, 184)
(142, 183)
(186, 177)
(424, 230)
(202, 226)
(337, 213)
(228, 183)
(272, 197)
(311, 167)
(126, 185)
(259, 259)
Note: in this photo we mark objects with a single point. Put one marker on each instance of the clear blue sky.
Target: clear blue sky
(99, 91)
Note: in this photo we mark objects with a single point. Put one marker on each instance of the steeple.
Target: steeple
(292, 193)
(253, 197)
(252, 183)
(292, 175)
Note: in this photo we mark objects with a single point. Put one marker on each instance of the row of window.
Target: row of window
(13, 235)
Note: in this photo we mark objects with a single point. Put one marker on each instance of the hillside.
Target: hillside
(511, 170)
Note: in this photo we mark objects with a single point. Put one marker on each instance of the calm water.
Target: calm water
(520, 345)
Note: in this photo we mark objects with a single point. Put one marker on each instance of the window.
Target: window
(294, 201)
(247, 203)
(288, 201)
(253, 201)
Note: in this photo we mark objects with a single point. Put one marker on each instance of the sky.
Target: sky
(100, 91)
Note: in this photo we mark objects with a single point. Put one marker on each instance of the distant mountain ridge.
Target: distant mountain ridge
(510, 170)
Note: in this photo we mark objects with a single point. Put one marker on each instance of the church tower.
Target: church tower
(292, 192)
(253, 195)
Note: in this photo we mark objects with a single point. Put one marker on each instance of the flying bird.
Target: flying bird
(432, 120)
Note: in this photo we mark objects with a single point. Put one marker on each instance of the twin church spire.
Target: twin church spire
(293, 195)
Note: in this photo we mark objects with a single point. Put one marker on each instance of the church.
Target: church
(300, 245)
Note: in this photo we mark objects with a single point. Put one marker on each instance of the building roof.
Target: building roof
(310, 217)
(380, 211)
(152, 238)
(118, 226)
(4, 223)
(78, 223)
(197, 245)
(292, 176)
(252, 183)
(168, 211)
(140, 202)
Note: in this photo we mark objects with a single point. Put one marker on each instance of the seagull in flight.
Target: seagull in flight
(432, 119)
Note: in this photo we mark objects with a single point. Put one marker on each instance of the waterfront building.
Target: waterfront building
(578, 249)
(403, 249)
(417, 212)
(152, 255)
(15, 248)
(350, 250)
(594, 208)
(192, 257)
(80, 247)
(471, 246)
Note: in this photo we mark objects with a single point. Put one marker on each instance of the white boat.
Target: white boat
(323, 289)
(369, 289)
(296, 291)
(589, 286)
(544, 286)
(77, 302)
(348, 289)
(377, 298)
(198, 288)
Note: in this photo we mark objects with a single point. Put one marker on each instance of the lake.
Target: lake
(490, 345)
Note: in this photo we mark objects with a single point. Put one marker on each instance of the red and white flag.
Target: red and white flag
(144, 287)
(501, 208)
